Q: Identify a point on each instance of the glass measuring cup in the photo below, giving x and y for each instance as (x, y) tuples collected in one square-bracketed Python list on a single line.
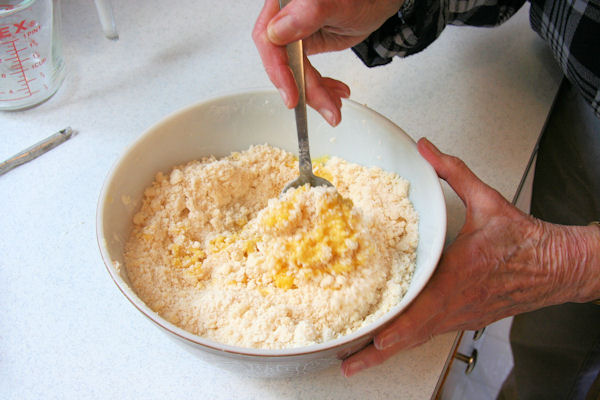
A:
[(31, 63)]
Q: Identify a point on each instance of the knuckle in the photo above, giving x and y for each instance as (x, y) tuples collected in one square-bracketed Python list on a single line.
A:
[(319, 7), (313, 10), (273, 74), (456, 162), (256, 34), (378, 357)]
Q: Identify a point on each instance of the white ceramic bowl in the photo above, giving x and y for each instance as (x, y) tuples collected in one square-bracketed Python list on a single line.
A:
[(233, 123)]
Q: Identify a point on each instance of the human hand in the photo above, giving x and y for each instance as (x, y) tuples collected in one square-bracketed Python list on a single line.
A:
[(323, 25), (502, 263)]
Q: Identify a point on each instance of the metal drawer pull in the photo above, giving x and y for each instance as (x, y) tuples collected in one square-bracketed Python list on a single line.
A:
[(478, 333), (470, 361)]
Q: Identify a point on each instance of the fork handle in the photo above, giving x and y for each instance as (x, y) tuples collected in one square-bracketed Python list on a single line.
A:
[(296, 62)]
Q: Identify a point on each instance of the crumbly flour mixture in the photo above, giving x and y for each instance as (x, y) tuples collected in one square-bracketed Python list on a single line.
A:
[(217, 251)]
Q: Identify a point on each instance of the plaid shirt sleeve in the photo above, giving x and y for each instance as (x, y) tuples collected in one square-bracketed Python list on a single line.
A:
[(571, 28)]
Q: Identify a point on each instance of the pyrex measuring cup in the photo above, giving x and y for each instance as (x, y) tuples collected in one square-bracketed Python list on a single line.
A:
[(31, 63)]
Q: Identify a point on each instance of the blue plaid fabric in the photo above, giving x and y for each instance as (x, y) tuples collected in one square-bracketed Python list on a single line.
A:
[(570, 27)]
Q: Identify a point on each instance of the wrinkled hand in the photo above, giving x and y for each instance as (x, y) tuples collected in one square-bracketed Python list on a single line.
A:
[(323, 25), (502, 263)]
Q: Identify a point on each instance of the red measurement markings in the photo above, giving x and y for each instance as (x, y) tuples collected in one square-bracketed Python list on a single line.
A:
[(18, 67)]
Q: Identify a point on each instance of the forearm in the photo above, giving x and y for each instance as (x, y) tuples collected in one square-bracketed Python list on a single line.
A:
[(571, 255)]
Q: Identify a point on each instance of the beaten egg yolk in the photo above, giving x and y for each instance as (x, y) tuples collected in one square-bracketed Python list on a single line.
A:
[(331, 244)]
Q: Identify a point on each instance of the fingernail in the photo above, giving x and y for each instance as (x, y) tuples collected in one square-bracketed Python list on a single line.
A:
[(285, 97), (431, 147), (345, 93), (328, 115), (342, 92), (281, 28), (388, 340), (354, 367)]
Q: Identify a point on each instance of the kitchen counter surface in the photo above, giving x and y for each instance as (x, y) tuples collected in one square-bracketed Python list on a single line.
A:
[(67, 332)]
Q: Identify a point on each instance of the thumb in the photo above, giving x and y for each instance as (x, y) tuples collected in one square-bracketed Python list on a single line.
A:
[(453, 170), (295, 21)]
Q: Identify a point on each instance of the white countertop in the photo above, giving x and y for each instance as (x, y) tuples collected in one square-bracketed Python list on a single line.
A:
[(66, 330)]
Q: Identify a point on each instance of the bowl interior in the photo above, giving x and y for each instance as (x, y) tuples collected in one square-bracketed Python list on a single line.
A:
[(234, 123)]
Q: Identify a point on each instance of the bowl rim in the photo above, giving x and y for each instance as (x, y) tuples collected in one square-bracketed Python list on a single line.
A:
[(335, 344)]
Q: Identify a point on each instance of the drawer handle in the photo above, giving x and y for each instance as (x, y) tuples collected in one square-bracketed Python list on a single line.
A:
[(469, 360), (478, 333)]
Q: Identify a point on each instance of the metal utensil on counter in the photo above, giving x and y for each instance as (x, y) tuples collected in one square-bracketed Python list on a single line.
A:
[(296, 62), (36, 150)]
